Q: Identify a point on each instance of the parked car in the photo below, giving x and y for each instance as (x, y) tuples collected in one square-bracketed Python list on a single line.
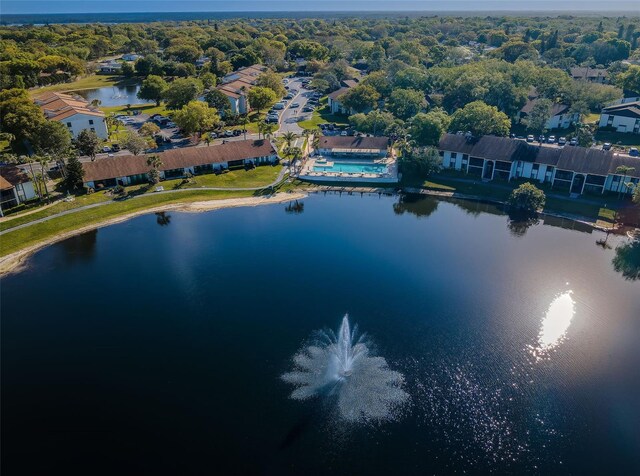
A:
[(542, 138), (307, 109), (278, 106), (606, 146), (106, 148), (344, 133), (213, 135), (289, 96), (633, 152), (551, 140), (562, 141), (271, 119), (115, 147), (171, 124), (573, 141), (530, 138), (294, 105), (228, 133)]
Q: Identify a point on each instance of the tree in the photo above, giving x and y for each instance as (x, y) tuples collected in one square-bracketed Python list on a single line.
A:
[(288, 138), (20, 117), (209, 80), (406, 103), (636, 195), (134, 143), (181, 91), (52, 138), (427, 129), (584, 134), (624, 170), (44, 165), (536, 120), (266, 128), (219, 101), (260, 97), (375, 122), (273, 81), (154, 163), (360, 98), (196, 117), (152, 89), (74, 173), (149, 129), (480, 119), (423, 161), (88, 143), (627, 260), (629, 80), (527, 198)]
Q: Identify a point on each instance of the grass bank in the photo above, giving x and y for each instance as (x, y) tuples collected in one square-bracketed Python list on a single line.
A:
[(595, 207), (322, 115), (38, 232), (91, 81), (258, 177)]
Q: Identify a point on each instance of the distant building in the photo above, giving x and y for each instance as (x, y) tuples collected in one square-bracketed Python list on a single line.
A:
[(592, 75), (575, 169), (333, 99), (131, 57), (110, 67), (133, 169), (559, 115), (623, 117), (237, 84), (350, 146), (15, 187), (74, 112)]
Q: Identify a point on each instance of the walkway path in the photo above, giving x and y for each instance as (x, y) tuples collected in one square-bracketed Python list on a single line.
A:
[(106, 202)]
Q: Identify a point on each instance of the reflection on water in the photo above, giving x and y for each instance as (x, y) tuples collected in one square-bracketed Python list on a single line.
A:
[(555, 323), (627, 260)]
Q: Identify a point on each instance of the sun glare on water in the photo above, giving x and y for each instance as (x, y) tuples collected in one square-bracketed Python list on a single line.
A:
[(555, 323)]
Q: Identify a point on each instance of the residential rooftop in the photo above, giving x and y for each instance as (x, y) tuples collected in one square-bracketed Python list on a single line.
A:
[(127, 165)]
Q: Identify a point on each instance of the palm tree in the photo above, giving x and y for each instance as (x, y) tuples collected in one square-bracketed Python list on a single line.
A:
[(243, 121), (288, 138), (624, 170), (154, 162), (44, 165)]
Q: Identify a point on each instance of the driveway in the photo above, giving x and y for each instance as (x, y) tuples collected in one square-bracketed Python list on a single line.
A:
[(289, 117)]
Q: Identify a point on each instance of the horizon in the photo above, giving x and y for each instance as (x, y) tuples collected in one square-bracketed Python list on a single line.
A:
[(35, 7)]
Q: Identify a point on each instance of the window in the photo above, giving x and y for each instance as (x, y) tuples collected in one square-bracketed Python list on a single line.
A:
[(91, 121), (68, 124), (93, 129), (454, 155)]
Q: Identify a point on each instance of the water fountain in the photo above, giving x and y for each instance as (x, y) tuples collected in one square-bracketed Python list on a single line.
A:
[(342, 367)]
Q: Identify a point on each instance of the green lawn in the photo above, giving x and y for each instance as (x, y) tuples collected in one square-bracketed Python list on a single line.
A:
[(258, 177), (149, 109), (24, 237), (618, 138), (92, 81), (589, 206), (322, 115)]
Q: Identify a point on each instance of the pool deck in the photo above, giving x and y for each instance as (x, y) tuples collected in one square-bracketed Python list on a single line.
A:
[(309, 174)]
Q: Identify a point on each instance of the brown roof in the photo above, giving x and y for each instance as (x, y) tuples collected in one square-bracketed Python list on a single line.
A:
[(126, 165), (555, 110), (340, 92), (587, 73), (59, 106), (10, 176), (349, 142)]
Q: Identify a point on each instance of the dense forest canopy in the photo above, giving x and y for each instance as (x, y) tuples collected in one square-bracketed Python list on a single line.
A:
[(406, 65)]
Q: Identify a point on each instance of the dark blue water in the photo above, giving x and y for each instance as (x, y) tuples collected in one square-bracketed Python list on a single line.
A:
[(155, 346)]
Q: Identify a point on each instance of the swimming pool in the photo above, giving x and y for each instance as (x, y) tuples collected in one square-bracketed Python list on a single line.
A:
[(352, 168)]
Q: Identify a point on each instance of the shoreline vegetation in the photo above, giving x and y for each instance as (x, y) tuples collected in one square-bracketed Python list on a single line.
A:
[(15, 261), (16, 246)]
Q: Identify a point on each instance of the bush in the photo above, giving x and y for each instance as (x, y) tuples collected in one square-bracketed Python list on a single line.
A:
[(527, 198)]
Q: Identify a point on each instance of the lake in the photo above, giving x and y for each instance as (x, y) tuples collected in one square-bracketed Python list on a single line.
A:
[(157, 345), (113, 95)]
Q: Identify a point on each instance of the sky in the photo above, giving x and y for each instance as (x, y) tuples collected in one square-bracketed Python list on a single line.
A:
[(117, 6)]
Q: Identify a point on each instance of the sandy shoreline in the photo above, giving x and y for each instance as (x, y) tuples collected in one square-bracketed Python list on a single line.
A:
[(16, 261)]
